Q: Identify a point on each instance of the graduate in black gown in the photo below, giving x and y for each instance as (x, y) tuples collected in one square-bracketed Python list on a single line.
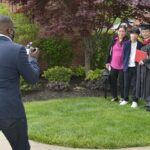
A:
[(143, 70)]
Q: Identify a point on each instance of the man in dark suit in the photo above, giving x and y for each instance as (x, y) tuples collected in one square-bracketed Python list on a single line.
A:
[(130, 67), (14, 62)]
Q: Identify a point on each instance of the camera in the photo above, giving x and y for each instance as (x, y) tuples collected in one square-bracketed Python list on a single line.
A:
[(29, 48)]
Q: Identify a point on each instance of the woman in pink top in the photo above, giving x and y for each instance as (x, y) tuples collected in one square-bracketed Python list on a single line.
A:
[(115, 62)]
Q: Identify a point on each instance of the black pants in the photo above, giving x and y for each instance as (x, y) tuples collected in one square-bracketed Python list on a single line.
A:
[(16, 133), (130, 79), (114, 75)]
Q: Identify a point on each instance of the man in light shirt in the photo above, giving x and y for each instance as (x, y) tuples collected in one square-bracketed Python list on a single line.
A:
[(130, 67)]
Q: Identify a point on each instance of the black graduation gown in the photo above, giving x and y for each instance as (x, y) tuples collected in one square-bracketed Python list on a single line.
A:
[(143, 77)]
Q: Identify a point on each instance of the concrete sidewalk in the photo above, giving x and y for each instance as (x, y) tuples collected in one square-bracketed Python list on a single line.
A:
[(4, 145)]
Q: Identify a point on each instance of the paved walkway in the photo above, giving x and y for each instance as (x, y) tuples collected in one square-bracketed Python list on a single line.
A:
[(37, 146)]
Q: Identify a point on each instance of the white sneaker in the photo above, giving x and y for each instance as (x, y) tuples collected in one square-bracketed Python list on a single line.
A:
[(123, 103), (121, 100), (114, 99), (134, 105)]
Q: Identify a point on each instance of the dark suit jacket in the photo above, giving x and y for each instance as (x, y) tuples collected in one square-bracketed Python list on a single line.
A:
[(126, 53), (13, 63)]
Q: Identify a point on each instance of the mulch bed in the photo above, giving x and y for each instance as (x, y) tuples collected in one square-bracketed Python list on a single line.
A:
[(46, 94), (77, 89)]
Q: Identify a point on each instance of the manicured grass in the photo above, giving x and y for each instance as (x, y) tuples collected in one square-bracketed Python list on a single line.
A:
[(88, 123)]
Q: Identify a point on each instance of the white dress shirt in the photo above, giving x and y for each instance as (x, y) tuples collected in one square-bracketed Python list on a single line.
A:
[(133, 54)]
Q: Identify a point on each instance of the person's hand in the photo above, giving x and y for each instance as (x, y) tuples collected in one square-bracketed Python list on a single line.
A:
[(141, 63), (108, 66), (34, 53)]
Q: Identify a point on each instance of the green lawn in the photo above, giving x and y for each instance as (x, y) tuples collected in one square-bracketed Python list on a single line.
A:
[(88, 123)]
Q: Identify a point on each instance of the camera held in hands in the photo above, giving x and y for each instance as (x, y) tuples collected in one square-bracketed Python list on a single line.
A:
[(30, 48)]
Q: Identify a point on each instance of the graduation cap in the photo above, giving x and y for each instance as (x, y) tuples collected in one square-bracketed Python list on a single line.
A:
[(145, 26)]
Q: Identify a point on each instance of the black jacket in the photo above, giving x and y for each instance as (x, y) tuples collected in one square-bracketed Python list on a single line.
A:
[(146, 48), (126, 53)]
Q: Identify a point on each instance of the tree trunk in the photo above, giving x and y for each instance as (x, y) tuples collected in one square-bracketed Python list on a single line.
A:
[(88, 52)]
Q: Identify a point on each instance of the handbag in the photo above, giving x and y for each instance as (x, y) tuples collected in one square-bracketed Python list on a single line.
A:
[(105, 80)]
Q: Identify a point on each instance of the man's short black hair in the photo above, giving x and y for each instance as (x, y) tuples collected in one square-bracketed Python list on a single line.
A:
[(135, 31), (145, 26)]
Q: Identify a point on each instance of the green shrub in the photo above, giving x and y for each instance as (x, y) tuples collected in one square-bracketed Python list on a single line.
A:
[(4, 10), (24, 86), (93, 81), (94, 75), (101, 43), (56, 51), (78, 71), (58, 74), (26, 31)]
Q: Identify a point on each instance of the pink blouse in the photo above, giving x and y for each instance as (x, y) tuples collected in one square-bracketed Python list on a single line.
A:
[(117, 56)]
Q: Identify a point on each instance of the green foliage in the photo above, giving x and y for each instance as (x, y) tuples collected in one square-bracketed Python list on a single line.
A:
[(101, 43), (94, 74), (78, 71), (26, 31), (4, 10), (24, 86), (56, 51), (59, 74)]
